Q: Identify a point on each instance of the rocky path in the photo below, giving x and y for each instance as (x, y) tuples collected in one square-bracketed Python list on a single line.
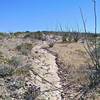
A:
[(40, 80), (45, 74)]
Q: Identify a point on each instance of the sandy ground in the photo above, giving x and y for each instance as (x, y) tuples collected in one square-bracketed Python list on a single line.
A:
[(74, 62), (73, 53)]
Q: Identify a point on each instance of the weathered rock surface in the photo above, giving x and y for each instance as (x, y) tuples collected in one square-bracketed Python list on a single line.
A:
[(47, 78)]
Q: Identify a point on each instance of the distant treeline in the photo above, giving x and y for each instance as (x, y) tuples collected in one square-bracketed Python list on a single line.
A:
[(50, 32)]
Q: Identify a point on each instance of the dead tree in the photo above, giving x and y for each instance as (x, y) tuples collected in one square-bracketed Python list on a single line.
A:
[(95, 73)]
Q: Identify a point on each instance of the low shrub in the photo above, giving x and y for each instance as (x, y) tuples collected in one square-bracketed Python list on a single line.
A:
[(24, 48), (18, 33), (32, 93), (3, 60), (6, 71), (15, 61), (1, 55), (22, 71), (64, 38), (38, 35), (51, 45)]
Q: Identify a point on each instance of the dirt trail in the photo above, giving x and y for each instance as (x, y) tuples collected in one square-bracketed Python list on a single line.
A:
[(45, 65)]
